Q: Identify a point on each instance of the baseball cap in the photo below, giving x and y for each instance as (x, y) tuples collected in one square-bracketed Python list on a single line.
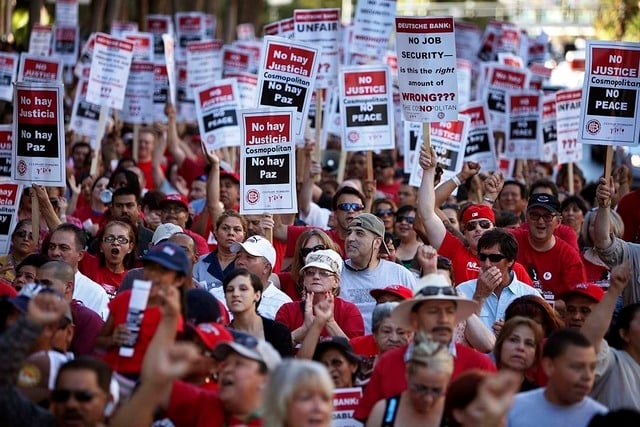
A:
[(398, 290), (327, 259), (257, 246), (547, 201), (589, 290), (371, 223), (476, 212), (164, 231), (170, 256), (201, 306), (340, 343), (210, 333), (175, 198), (250, 347), (231, 175)]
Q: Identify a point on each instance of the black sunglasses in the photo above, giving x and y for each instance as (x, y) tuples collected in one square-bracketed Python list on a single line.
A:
[(491, 257), (408, 219), (429, 291), (62, 395), (483, 223), (384, 212), (307, 251)]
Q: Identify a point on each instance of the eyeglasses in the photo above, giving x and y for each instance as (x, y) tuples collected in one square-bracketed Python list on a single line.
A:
[(306, 251), (311, 272), (408, 219), (24, 234), (491, 257), (62, 395), (426, 391), (429, 291), (535, 216), (346, 207), (112, 239), (483, 223), (384, 212), (173, 209)]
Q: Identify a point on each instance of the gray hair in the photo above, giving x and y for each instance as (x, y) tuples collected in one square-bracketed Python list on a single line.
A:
[(289, 377), (381, 312)]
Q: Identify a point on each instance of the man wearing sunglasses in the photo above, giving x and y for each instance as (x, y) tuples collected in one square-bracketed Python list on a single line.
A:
[(435, 309), (496, 286)]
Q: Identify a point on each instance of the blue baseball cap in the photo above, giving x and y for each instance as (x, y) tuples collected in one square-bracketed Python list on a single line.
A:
[(170, 256)]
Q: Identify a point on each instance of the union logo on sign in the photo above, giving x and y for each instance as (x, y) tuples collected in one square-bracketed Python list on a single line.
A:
[(253, 196), (593, 127), (22, 167)]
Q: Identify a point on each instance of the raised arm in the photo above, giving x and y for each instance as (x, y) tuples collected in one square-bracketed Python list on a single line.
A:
[(214, 207), (602, 223), (434, 228), (156, 161), (305, 194), (444, 190), (173, 140)]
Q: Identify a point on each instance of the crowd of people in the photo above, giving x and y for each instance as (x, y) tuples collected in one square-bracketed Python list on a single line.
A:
[(513, 302)]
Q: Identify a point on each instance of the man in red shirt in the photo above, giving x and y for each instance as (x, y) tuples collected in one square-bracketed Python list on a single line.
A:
[(435, 309), (175, 210)]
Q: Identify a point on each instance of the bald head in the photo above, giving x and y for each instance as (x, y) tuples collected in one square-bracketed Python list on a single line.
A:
[(57, 275)]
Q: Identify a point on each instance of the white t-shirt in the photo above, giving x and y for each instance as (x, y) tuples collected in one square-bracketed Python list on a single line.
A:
[(272, 299), (91, 295)]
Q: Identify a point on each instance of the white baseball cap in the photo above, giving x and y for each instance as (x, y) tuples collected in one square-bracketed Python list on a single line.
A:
[(257, 246)]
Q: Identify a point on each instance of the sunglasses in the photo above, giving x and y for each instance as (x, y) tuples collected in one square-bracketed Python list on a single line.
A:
[(429, 291), (62, 395), (24, 234), (491, 257), (384, 212), (307, 251), (346, 207), (408, 219), (483, 223)]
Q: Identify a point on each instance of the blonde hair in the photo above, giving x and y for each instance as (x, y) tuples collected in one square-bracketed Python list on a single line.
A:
[(289, 377), (616, 227), (430, 354)]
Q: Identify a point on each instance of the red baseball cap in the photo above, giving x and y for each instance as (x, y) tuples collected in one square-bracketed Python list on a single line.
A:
[(211, 334), (175, 198), (589, 290), (231, 175), (398, 290), (477, 212)]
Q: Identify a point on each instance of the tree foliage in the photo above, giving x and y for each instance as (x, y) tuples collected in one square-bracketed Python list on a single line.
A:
[(617, 20)]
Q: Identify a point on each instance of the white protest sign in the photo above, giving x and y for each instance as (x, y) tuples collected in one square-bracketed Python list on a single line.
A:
[(170, 63), (549, 132), (118, 28), (480, 144), (10, 194), (190, 26), (286, 78), (283, 28), (235, 60), (524, 112), (464, 73), (83, 67), (245, 31), (204, 62), (247, 89), (143, 45), (42, 69), (67, 12), (186, 105), (468, 37), (40, 40), (267, 162), (321, 27), (159, 25), (66, 44), (138, 98), (345, 402), (609, 114), (38, 150), (427, 68), (569, 121), (372, 27), (334, 121), (6, 136), (412, 132), (217, 111), (84, 115), (109, 71), (254, 48), (8, 72), (160, 92), (367, 108)]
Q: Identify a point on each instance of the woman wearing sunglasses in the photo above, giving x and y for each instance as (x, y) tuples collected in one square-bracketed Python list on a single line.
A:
[(408, 239), (321, 310), (22, 245), (428, 372), (385, 209)]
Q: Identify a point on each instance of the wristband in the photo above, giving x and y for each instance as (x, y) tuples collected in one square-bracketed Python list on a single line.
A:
[(456, 180), (488, 199)]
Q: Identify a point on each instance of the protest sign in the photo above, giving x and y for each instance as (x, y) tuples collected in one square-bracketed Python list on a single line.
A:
[(427, 68), (204, 62), (524, 111), (65, 44), (109, 71), (235, 60), (283, 28), (210, 22), (345, 402), (480, 144), (83, 67), (286, 78), (549, 131), (217, 112), (143, 45), (267, 162), (372, 26), (160, 92), (40, 40), (186, 106), (34, 69), (190, 26), (138, 98), (6, 136), (464, 73), (84, 115), (334, 121), (247, 84), (159, 25), (8, 71), (67, 13), (321, 28), (118, 28), (609, 114), (412, 132), (38, 150), (468, 37), (367, 108), (569, 121), (254, 48), (170, 65), (245, 31), (10, 194)]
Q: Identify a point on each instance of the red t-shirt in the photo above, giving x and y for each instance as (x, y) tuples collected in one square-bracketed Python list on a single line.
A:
[(86, 213), (364, 345), (557, 269), (628, 210), (147, 168), (119, 306), (288, 286), (191, 169), (594, 272), (294, 231), (389, 375), (563, 232), (465, 263), (6, 290), (190, 406), (390, 191), (90, 266), (347, 316)]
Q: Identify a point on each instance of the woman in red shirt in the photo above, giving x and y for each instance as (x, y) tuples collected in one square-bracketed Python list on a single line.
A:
[(95, 208)]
